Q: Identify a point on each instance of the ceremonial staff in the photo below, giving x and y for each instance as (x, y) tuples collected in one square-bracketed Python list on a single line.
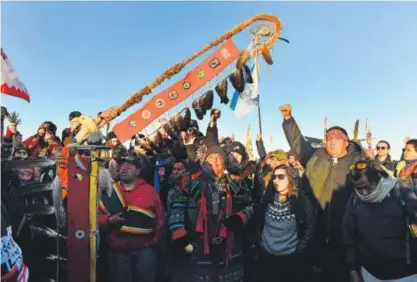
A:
[(267, 33)]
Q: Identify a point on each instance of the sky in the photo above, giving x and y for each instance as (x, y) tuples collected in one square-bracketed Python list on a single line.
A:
[(346, 61)]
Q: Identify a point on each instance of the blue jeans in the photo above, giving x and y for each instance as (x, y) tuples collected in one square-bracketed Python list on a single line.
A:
[(135, 266)]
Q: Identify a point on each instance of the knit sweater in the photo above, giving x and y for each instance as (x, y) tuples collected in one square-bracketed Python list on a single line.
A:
[(279, 236)]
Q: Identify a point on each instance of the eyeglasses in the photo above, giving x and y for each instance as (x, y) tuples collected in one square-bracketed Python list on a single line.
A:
[(279, 176), (381, 148)]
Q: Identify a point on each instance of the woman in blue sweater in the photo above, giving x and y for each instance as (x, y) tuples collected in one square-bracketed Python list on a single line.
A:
[(285, 222)]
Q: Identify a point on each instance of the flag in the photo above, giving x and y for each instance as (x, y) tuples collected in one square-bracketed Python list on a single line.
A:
[(249, 149), (10, 82), (242, 103)]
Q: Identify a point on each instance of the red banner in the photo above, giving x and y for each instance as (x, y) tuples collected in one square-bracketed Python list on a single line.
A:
[(178, 92), (10, 82)]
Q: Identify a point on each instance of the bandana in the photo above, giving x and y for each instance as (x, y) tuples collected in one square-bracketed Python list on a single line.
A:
[(337, 134)]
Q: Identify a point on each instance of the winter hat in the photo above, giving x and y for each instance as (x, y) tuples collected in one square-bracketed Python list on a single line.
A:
[(74, 115), (214, 149), (279, 154), (136, 161), (193, 123), (110, 135), (238, 147)]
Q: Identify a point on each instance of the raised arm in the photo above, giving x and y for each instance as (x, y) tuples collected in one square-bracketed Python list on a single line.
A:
[(212, 133), (260, 147), (302, 149)]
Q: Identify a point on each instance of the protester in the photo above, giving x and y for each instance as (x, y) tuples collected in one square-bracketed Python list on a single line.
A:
[(407, 168), (286, 222), (376, 234), (210, 189), (210, 234), (325, 180), (383, 151), (134, 225)]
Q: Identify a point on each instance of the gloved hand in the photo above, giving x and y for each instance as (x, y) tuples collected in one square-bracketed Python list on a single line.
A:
[(233, 222), (182, 242)]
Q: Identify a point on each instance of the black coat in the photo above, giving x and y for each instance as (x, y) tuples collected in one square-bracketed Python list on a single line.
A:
[(303, 210), (374, 235)]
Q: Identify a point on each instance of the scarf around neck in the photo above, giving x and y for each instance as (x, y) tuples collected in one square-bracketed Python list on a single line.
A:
[(381, 191)]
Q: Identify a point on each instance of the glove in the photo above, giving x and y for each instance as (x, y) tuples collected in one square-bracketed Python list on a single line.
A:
[(182, 242), (233, 222)]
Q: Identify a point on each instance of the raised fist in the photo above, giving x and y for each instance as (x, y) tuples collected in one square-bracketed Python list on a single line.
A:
[(286, 111), (215, 114), (259, 137), (107, 115)]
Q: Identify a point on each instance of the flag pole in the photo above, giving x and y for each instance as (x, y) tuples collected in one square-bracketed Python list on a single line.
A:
[(259, 97)]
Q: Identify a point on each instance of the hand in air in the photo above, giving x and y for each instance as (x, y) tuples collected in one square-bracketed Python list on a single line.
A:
[(286, 111), (107, 115)]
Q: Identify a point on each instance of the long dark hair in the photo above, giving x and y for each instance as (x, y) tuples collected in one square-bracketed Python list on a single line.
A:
[(292, 184)]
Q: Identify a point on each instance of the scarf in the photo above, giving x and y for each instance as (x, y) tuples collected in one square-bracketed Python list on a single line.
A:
[(381, 191)]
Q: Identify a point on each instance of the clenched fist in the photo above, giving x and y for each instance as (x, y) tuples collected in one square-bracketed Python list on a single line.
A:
[(105, 116), (286, 111)]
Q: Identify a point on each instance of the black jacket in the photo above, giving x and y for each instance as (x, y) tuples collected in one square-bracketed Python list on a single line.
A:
[(387, 163), (374, 235), (304, 215)]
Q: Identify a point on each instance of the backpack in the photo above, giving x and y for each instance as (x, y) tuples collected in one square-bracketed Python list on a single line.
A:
[(409, 218)]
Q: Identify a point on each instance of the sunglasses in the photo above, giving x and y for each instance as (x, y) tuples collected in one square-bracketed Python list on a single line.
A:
[(381, 148), (279, 176)]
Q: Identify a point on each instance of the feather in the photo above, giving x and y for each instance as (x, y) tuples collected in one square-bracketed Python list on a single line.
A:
[(41, 228), (60, 214), (356, 131), (105, 181), (283, 39), (243, 58), (267, 56)]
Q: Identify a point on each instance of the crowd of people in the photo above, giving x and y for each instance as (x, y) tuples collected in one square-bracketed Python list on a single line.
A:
[(186, 206)]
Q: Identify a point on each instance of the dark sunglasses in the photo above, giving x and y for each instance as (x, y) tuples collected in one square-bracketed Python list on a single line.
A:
[(381, 148), (279, 176)]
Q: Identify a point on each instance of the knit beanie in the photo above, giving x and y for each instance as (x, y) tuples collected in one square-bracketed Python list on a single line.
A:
[(214, 149), (279, 154), (238, 147)]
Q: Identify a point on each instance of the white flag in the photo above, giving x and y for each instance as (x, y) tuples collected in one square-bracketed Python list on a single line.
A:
[(10, 82)]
